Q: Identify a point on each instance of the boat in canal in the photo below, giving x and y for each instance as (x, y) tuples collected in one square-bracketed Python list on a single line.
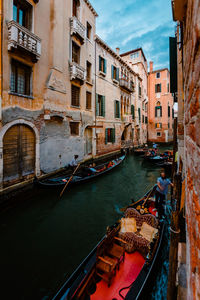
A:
[(140, 151), (84, 175), (156, 158), (121, 263)]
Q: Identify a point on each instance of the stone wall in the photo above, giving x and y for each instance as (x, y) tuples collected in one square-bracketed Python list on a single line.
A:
[(191, 74)]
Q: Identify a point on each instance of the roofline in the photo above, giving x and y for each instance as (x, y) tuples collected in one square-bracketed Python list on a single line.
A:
[(133, 51), (106, 47), (91, 8), (159, 70)]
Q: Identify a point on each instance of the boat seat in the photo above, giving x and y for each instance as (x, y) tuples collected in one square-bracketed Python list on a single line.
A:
[(109, 256)]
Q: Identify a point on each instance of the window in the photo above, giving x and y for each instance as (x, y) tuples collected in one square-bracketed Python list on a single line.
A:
[(117, 109), (145, 107), (22, 13), (158, 133), (100, 105), (142, 118), (20, 81), (172, 113), (135, 55), (133, 111), (168, 125), (139, 114), (142, 105), (168, 111), (89, 31), (88, 100), (74, 128), (110, 135), (146, 120), (102, 65), (158, 75), (158, 88), (75, 53), (158, 125), (88, 75), (76, 4), (168, 87), (139, 89), (158, 110), (115, 72), (75, 94)]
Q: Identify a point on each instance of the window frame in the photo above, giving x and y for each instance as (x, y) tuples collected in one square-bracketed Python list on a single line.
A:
[(78, 128), (158, 90), (76, 46), (78, 89), (90, 106), (88, 64), (88, 31), (157, 74), (27, 10)]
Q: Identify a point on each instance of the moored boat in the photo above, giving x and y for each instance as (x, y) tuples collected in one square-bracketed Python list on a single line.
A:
[(119, 266), (83, 175), (140, 151)]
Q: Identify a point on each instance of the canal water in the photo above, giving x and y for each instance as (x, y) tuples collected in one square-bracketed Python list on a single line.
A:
[(44, 238)]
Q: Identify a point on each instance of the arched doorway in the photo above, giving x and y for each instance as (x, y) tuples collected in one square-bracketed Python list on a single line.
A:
[(19, 149), (88, 141)]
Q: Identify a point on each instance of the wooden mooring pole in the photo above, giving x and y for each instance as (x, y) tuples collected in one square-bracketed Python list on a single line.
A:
[(174, 227)]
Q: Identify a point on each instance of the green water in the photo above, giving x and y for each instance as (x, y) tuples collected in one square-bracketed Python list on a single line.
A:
[(45, 238)]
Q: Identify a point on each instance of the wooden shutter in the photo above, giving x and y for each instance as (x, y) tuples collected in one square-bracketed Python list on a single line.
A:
[(115, 108), (156, 111), (112, 71), (168, 111), (97, 106), (106, 136), (99, 63), (117, 74), (161, 111), (113, 135), (133, 111), (104, 65), (75, 94), (103, 107), (118, 109), (139, 114)]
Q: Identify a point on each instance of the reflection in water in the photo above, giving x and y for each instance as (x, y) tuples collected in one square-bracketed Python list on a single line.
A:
[(45, 238)]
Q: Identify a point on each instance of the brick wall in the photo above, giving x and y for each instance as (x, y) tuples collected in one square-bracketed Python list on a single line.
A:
[(191, 75)]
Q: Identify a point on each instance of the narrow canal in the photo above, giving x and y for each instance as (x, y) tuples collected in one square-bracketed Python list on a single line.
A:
[(45, 238)]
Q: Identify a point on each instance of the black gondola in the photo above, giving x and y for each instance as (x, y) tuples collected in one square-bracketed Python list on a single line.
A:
[(85, 282), (81, 177)]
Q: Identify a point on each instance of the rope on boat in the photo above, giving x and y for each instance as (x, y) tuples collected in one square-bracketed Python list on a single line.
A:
[(176, 232)]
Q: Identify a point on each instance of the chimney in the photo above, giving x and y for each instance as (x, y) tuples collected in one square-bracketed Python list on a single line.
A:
[(117, 50), (151, 66)]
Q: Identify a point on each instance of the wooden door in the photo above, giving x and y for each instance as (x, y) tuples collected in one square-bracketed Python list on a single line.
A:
[(18, 154)]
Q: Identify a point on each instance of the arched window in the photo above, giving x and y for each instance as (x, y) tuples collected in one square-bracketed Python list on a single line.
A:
[(158, 110)]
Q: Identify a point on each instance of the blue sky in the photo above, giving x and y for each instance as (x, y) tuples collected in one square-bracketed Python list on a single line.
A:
[(130, 24)]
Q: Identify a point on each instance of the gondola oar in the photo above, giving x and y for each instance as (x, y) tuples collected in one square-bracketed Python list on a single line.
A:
[(133, 204), (70, 179)]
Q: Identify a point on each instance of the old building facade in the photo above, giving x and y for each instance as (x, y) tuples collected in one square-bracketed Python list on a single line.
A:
[(187, 15), (160, 106)]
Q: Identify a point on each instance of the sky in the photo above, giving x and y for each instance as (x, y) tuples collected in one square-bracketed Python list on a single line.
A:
[(130, 24)]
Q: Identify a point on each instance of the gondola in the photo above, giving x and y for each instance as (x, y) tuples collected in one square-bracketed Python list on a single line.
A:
[(132, 271), (156, 158), (81, 177), (140, 151)]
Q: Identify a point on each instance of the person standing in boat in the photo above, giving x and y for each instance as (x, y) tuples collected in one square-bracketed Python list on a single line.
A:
[(73, 164), (161, 192)]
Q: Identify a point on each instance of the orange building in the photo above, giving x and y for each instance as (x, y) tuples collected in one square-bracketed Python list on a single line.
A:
[(160, 106)]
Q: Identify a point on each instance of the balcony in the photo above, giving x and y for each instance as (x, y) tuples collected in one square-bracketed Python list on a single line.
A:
[(78, 29), (127, 118), (77, 72), (22, 38), (126, 84)]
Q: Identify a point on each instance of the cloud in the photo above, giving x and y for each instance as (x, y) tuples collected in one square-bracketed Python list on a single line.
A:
[(129, 24)]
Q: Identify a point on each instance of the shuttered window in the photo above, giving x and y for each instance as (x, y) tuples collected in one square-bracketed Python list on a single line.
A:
[(110, 135), (75, 53), (88, 75), (115, 73), (168, 111), (75, 96), (158, 111), (158, 125), (102, 64), (100, 105), (74, 128), (88, 100), (139, 114), (158, 88), (133, 111), (142, 118), (117, 109), (146, 120), (20, 81)]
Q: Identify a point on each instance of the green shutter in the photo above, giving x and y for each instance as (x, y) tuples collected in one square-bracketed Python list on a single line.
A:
[(112, 71), (104, 65), (118, 74), (172, 113), (160, 88), (133, 111), (161, 111), (113, 135), (139, 114), (115, 108), (99, 63), (155, 88), (168, 111), (103, 107), (118, 106), (106, 136), (97, 106), (156, 111)]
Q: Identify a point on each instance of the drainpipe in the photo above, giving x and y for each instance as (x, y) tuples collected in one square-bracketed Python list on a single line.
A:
[(1, 59)]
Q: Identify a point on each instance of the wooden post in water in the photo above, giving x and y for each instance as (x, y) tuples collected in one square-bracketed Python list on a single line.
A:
[(174, 228)]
